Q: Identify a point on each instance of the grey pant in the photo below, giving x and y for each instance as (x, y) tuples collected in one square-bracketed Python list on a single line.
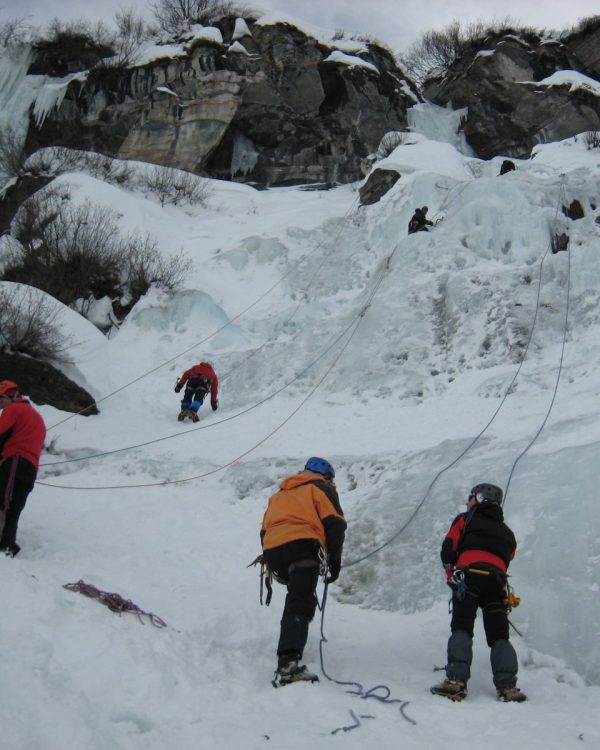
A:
[(502, 657)]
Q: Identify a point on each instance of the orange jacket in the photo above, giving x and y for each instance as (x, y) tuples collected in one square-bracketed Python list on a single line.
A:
[(307, 506)]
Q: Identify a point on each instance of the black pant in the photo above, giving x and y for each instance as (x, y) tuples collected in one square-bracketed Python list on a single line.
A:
[(195, 390), (17, 477), (297, 565), (484, 590)]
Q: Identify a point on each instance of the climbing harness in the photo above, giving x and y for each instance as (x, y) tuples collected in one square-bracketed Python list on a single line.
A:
[(114, 602), (267, 575), (507, 604)]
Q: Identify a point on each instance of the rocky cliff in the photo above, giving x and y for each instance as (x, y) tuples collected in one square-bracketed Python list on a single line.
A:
[(44, 384), (266, 104), (521, 90)]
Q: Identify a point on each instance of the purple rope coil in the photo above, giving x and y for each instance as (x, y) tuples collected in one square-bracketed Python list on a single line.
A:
[(114, 602)]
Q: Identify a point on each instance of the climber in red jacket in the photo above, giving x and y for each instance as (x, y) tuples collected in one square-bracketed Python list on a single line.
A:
[(198, 381), (22, 433)]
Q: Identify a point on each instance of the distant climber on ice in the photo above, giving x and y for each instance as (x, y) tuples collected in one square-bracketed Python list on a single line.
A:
[(507, 166), (419, 221), (199, 380), (303, 527), (476, 553)]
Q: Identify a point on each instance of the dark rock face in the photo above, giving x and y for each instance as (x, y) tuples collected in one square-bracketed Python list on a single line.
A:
[(68, 53), (509, 111), (16, 194), (376, 185), (44, 384), (586, 45), (273, 107), (574, 210), (560, 242)]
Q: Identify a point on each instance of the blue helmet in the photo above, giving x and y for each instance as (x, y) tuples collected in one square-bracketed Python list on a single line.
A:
[(320, 466)]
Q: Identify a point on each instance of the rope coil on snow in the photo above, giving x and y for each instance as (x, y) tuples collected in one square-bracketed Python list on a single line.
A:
[(114, 602), (359, 690)]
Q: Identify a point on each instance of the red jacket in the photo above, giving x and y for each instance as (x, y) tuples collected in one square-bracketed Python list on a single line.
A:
[(202, 369), (22, 432)]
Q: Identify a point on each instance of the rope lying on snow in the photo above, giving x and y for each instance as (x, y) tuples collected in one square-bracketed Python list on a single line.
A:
[(114, 602), (382, 693)]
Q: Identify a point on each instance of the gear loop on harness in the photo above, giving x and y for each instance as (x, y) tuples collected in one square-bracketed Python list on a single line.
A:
[(323, 562), (459, 585), (266, 577)]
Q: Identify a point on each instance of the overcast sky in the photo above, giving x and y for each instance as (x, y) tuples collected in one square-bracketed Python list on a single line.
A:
[(395, 22)]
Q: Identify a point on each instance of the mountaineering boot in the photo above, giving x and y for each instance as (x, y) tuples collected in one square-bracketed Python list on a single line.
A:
[(511, 695), (181, 416), (456, 690), (291, 672), (10, 550), (194, 417)]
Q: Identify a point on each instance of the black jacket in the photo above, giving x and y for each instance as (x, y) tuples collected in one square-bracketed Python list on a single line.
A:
[(479, 536), (419, 222)]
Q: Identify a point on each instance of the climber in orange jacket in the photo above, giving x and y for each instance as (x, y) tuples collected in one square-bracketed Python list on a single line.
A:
[(302, 520)]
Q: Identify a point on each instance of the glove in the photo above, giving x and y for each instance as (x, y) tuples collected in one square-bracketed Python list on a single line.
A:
[(449, 570), (214, 405), (334, 568), (178, 387)]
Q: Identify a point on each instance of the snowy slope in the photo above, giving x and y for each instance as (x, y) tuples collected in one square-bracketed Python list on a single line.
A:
[(417, 365)]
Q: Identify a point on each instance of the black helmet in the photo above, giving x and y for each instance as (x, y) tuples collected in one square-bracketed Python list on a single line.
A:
[(488, 493)]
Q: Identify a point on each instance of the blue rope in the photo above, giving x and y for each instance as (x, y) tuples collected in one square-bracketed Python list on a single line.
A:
[(358, 688)]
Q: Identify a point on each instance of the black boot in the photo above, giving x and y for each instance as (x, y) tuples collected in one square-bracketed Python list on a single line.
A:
[(288, 670), (10, 550)]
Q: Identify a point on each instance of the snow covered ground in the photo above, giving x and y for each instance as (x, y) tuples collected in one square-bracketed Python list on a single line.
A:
[(418, 365)]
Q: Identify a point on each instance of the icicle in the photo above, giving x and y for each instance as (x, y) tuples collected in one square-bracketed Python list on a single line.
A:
[(244, 157)]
